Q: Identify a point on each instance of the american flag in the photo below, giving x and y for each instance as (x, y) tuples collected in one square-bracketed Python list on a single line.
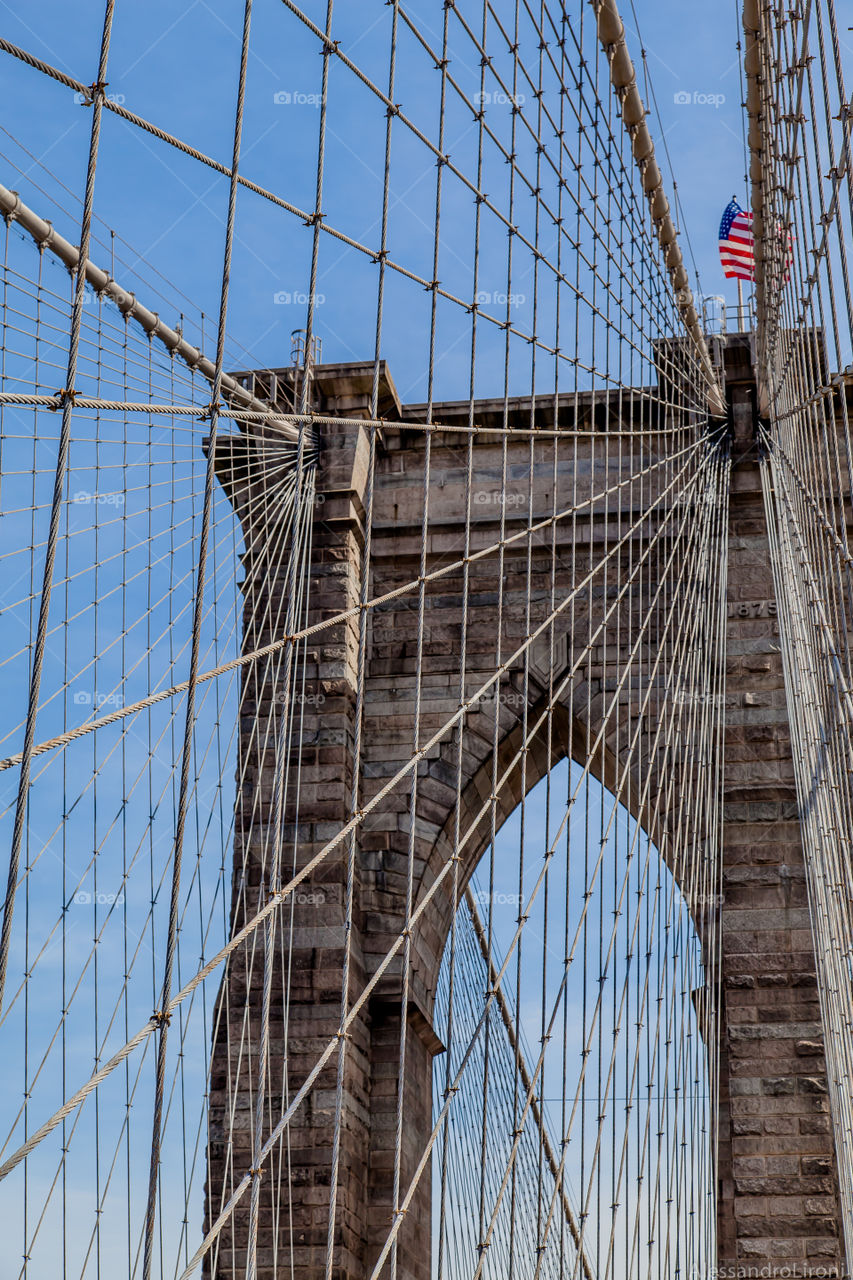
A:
[(736, 250)]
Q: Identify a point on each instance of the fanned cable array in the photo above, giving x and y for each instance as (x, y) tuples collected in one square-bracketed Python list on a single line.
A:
[(800, 121), (365, 749)]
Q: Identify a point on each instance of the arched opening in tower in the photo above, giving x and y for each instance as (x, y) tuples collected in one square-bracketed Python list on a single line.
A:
[(575, 1101)]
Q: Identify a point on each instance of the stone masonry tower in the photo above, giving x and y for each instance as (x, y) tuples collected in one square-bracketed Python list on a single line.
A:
[(777, 1201)]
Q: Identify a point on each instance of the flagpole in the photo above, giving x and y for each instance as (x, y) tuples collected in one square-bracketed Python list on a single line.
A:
[(740, 324)]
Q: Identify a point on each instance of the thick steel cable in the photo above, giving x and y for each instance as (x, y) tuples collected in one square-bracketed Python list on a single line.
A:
[(612, 35)]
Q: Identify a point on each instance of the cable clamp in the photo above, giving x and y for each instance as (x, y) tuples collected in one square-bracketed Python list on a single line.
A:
[(91, 91), (160, 1018), (256, 1173)]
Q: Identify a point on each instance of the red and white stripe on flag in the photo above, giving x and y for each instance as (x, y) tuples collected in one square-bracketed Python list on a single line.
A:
[(737, 253)]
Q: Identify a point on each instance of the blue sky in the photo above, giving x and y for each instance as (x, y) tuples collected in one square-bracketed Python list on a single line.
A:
[(176, 66)]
